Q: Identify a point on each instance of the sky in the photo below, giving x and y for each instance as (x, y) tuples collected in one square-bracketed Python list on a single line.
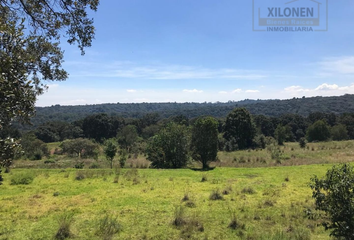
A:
[(205, 51)]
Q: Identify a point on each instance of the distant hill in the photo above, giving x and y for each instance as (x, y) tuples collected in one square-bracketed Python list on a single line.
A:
[(301, 106)]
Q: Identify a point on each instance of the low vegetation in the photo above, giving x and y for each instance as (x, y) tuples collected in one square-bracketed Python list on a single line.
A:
[(260, 204)]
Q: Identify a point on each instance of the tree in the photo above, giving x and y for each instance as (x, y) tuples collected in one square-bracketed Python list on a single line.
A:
[(27, 58), (204, 144), (319, 131), (169, 148), (33, 148), (98, 127), (239, 128), (280, 134), (80, 147), (110, 150), (127, 137), (334, 194), (339, 132)]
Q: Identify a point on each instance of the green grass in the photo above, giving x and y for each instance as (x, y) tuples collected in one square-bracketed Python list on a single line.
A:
[(261, 197), (143, 203)]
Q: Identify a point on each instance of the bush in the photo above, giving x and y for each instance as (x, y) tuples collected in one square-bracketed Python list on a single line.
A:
[(334, 195), (79, 165), (22, 179), (79, 175), (302, 142)]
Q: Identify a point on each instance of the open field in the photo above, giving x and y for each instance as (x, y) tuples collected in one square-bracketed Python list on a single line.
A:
[(266, 203), (290, 155)]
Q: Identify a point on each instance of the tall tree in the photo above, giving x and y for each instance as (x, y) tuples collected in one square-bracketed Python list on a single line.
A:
[(98, 127), (169, 148), (319, 131), (204, 143), (27, 58), (110, 150), (127, 137), (239, 128)]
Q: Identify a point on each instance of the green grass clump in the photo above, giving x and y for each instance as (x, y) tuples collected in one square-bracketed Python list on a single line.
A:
[(107, 226), (65, 221), (23, 178)]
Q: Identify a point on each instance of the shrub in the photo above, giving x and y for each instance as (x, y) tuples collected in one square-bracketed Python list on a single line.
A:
[(334, 195), (107, 226), (48, 161), (65, 221), (79, 175), (22, 179), (94, 166), (79, 165), (302, 142)]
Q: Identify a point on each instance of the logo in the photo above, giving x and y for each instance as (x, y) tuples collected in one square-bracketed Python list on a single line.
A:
[(290, 15)]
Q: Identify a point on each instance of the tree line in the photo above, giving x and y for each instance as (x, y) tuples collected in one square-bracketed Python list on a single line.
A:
[(270, 108), (173, 142)]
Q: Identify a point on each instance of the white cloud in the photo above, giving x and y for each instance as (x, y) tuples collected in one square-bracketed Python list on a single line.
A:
[(252, 91), (296, 89), (160, 71), (341, 65), (238, 90), (222, 92), (322, 90), (192, 91), (131, 91)]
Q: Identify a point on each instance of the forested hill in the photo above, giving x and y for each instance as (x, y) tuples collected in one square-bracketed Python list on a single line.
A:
[(301, 106)]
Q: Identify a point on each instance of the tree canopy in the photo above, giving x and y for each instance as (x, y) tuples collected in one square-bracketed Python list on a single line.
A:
[(30, 33), (204, 143)]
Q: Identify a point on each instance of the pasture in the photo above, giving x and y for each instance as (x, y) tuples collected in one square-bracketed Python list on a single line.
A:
[(225, 203)]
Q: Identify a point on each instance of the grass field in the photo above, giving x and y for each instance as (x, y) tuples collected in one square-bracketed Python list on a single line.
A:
[(249, 195), (259, 203)]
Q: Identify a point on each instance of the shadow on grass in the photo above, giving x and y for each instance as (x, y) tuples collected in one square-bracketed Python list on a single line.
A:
[(202, 169)]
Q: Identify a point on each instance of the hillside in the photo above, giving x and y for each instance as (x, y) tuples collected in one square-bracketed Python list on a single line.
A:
[(301, 106)]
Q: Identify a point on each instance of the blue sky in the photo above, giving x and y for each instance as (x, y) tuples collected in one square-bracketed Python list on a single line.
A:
[(196, 51)]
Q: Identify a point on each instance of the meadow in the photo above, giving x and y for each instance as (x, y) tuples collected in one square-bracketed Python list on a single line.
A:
[(249, 199)]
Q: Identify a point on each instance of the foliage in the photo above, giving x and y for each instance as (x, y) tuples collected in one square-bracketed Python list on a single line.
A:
[(302, 142), (32, 55), (334, 195), (22, 178), (239, 128), (204, 144), (33, 148), (127, 137), (319, 131), (122, 157), (80, 147), (58, 131), (301, 107), (280, 134), (8, 150), (169, 148), (339, 132), (110, 150), (98, 127)]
